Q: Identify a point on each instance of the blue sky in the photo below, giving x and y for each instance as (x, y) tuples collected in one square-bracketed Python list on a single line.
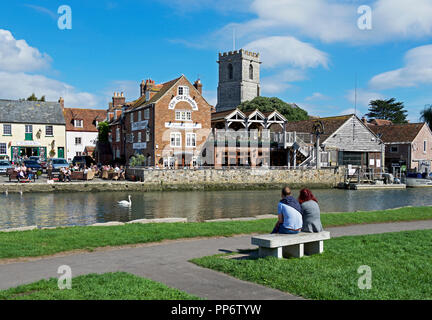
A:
[(312, 51)]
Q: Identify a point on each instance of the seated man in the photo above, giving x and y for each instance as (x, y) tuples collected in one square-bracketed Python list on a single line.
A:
[(289, 214)]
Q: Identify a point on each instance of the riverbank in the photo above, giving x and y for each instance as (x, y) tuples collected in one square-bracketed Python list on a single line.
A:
[(51, 241), (103, 186), (189, 180)]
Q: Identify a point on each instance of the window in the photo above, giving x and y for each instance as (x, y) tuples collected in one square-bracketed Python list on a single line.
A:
[(118, 135), (176, 139), (139, 116), (424, 146), (7, 130), (131, 117), (183, 115), (78, 154), (77, 140), (190, 140), (394, 149), (147, 135), (139, 137), (183, 91), (3, 149), (251, 71), (49, 131), (28, 132), (230, 71), (146, 114), (78, 123)]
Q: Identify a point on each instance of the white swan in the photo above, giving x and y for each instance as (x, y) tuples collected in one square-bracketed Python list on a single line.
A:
[(6, 192), (21, 193), (125, 203)]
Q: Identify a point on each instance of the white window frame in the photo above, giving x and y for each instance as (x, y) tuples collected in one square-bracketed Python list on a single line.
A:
[(46, 131), (4, 129), (132, 117), (117, 134), (3, 148), (78, 123), (183, 115), (183, 91), (139, 116), (147, 135), (139, 136), (175, 139), (78, 142), (28, 128), (191, 140)]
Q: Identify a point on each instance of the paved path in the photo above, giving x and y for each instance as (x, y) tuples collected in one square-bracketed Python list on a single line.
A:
[(168, 263)]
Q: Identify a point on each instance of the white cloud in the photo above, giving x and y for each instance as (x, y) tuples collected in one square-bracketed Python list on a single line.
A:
[(281, 81), (21, 85), (278, 50), (18, 59), (17, 55), (417, 70), (316, 96), (335, 21)]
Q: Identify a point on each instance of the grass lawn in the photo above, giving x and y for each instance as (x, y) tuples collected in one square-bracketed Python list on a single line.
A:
[(108, 286), (50, 241), (401, 265)]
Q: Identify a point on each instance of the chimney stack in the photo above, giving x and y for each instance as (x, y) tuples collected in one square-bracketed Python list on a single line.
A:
[(198, 85), (118, 99), (142, 89), (61, 101)]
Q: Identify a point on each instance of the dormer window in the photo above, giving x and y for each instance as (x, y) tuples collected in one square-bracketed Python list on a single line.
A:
[(78, 123), (183, 91)]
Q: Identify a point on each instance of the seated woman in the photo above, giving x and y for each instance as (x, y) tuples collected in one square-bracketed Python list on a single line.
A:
[(289, 214), (311, 211)]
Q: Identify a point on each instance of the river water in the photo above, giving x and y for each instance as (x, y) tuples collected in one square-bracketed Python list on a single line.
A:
[(69, 209)]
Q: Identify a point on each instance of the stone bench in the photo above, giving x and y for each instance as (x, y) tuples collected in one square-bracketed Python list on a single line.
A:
[(290, 245)]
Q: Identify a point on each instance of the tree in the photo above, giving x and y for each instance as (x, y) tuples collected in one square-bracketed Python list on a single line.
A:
[(387, 110), (34, 98), (265, 104), (103, 129), (426, 115)]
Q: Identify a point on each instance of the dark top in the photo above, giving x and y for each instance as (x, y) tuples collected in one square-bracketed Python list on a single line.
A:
[(292, 202)]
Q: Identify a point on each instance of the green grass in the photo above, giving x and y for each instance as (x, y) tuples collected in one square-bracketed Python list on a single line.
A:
[(108, 286), (50, 241), (401, 265)]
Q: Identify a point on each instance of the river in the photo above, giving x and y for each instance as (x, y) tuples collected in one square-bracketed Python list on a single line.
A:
[(69, 209)]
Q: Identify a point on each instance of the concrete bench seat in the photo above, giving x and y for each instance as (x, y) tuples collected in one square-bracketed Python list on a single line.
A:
[(290, 245)]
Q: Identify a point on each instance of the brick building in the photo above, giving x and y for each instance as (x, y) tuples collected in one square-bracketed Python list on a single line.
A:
[(408, 144), (169, 124)]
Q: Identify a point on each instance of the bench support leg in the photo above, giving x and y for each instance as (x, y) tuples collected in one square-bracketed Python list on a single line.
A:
[(270, 252), (314, 247), (295, 251)]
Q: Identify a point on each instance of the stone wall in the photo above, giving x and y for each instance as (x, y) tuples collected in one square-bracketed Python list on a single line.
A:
[(238, 178)]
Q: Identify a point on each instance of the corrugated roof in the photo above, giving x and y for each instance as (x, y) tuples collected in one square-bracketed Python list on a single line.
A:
[(405, 132), (17, 111)]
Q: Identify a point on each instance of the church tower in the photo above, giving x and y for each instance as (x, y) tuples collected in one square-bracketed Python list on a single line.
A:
[(239, 78)]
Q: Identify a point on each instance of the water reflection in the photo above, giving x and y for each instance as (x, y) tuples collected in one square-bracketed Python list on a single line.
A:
[(67, 209)]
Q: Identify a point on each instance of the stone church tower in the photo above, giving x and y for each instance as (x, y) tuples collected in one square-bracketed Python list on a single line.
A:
[(239, 78)]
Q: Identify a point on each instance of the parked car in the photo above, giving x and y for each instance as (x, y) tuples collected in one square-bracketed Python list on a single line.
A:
[(4, 166), (57, 164), (42, 162), (83, 161), (33, 165)]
